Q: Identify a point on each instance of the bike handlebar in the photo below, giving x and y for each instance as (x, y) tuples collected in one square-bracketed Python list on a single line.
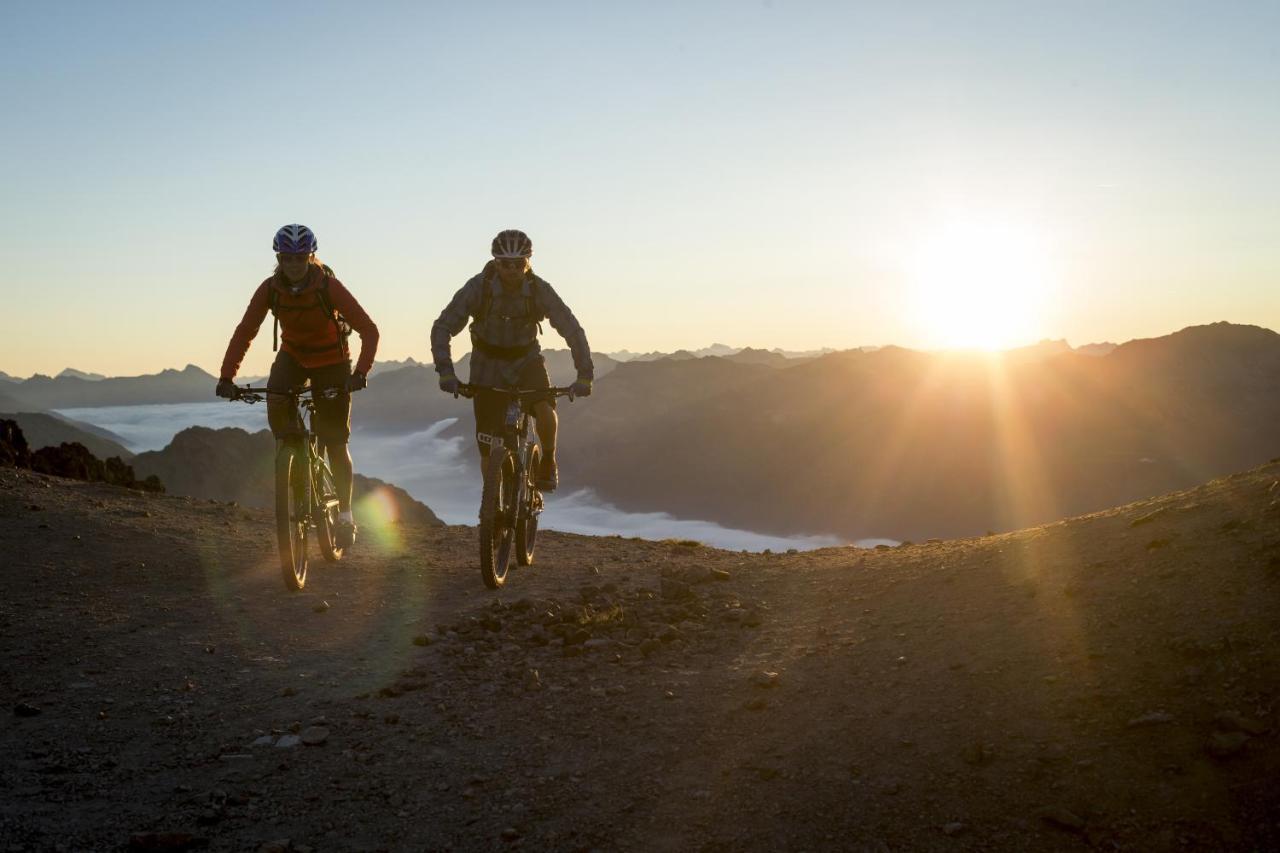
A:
[(257, 395), (469, 391)]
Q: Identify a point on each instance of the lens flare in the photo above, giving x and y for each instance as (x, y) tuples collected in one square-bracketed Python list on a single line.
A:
[(378, 514)]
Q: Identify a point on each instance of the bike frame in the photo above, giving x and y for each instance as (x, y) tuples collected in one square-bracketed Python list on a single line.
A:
[(304, 415), (306, 496), (516, 434), (509, 510)]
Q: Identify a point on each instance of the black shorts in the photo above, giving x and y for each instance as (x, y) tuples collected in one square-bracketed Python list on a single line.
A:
[(491, 406), (333, 417)]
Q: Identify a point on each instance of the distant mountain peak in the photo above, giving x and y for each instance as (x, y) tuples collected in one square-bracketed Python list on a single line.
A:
[(1098, 349), (72, 373)]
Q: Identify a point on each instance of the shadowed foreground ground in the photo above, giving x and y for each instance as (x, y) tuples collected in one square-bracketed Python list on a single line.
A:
[(1110, 681)]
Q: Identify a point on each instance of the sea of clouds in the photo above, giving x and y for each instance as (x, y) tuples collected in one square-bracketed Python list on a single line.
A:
[(434, 466)]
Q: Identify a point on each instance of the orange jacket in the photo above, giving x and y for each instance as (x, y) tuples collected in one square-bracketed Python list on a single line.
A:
[(306, 332)]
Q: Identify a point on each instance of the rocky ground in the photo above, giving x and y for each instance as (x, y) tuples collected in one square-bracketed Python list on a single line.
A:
[(1106, 682)]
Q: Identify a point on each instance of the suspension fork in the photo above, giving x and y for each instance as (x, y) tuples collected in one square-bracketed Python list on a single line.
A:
[(307, 444)]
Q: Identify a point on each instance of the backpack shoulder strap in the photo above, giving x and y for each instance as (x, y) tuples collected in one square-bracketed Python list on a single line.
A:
[(273, 300), (322, 292), (339, 322), (531, 301), (486, 299)]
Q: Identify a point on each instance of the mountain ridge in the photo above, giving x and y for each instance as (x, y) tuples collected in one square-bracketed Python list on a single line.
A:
[(914, 445), (44, 430)]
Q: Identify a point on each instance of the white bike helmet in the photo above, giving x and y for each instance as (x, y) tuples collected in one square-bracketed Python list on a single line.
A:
[(512, 244)]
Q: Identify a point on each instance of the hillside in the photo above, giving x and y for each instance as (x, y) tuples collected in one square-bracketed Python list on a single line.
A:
[(910, 445), (44, 430), (1105, 682), (408, 398), (231, 464)]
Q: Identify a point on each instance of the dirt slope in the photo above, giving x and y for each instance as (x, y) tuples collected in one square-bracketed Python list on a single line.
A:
[(1109, 681)]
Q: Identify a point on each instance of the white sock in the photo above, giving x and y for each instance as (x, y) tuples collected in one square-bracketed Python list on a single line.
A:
[(346, 516)]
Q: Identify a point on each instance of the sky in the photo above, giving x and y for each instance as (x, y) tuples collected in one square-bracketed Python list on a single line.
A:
[(778, 174)]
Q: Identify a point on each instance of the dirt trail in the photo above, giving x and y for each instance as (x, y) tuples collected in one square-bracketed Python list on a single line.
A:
[(1108, 682)]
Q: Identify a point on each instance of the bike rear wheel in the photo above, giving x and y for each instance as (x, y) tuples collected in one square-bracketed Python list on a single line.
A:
[(496, 505), (293, 507), (327, 511), (527, 520)]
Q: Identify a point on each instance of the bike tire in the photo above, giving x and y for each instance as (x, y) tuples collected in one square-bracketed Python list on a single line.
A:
[(496, 533), (326, 508), (527, 520), (292, 509)]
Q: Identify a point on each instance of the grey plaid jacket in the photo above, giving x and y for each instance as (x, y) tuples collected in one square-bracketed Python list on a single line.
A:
[(509, 323)]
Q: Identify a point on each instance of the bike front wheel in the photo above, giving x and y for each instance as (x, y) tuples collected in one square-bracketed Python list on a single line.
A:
[(527, 520), (327, 512), (496, 505), (293, 507)]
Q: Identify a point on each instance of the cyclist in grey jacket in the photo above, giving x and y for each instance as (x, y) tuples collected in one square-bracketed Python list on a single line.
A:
[(506, 303)]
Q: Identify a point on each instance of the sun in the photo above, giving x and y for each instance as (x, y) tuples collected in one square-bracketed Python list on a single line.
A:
[(981, 285)]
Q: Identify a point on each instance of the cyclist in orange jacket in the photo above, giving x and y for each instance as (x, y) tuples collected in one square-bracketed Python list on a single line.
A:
[(314, 311)]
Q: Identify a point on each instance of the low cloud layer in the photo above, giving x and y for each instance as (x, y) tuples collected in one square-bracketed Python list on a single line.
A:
[(436, 469)]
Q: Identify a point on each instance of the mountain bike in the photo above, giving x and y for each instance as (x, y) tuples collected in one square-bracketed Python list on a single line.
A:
[(306, 497), (510, 502)]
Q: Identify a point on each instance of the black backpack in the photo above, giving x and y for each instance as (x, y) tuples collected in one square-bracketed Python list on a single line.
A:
[(322, 302)]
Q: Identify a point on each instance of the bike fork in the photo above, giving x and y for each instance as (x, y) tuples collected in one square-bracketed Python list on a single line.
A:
[(309, 496)]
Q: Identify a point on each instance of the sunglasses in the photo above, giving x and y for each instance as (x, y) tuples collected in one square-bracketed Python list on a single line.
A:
[(512, 262), (293, 257)]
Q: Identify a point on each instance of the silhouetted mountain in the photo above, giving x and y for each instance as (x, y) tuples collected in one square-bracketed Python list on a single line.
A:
[(718, 350), (68, 459), (72, 373), (233, 465), (1043, 349), (91, 429), (190, 385), (4, 377), (904, 444), (1104, 348), (639, 394), (404, 400), (409, 398), (559, 365), (627, 355), (44, 429), (759, 356), (814, 353), (388, 366)]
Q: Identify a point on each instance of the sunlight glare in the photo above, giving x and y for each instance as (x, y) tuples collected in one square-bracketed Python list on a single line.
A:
[(981, 285)]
